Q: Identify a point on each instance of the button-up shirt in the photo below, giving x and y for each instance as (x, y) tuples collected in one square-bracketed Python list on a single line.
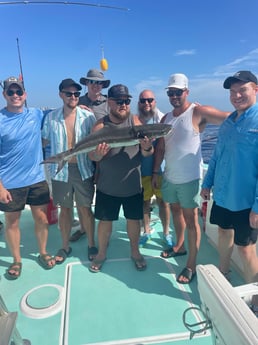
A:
[(233, 168)]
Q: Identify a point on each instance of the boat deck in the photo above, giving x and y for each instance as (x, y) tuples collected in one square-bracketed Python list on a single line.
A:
[(120, 305)]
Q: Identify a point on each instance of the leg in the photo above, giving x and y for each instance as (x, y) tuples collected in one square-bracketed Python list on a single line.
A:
[(146, 215), (65, 224), (39, 214), (87, 223), (250, 262), (164, 215), (133, 231), (180, 225), (225, 248), (104, 233), (194, 235), (12, 235)]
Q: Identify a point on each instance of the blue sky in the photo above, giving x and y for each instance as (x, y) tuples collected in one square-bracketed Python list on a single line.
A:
[(206, 40)]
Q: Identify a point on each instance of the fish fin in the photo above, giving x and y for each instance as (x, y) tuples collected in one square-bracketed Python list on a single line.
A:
[(60, 166)]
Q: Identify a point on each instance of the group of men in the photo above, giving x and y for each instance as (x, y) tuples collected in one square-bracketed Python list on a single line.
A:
[(235, 193)]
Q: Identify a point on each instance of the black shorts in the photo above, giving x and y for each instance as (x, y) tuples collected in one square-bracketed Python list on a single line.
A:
[(237, 220), (34, 195), (107, 207)]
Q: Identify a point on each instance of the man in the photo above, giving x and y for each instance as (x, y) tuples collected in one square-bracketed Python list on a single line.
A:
[(119, 179), (148, 114), (96, 102), (93, 99), (233, 174), (22, 176), (62, 129), (182, 152)]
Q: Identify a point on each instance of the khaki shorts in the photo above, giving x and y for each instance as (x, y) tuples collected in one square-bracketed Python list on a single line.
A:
[(76, 189)]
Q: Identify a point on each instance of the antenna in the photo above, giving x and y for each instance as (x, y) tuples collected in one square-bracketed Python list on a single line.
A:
[(61, 3)]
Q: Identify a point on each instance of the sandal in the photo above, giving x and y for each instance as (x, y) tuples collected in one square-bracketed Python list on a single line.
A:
[(96, 265), (92, 253), (140, 263), (76, 236), (187, 274), (170, 253), (16, 267), (44, 261), (63, 254)]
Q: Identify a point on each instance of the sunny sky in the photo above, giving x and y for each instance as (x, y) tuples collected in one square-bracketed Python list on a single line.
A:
[(206, 40)]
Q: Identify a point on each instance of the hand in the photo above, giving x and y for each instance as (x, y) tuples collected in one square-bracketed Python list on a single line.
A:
[(5, 196), (205, 193), (146, 143), (253, 219), (82, 106), (100, 151), (155, 181)]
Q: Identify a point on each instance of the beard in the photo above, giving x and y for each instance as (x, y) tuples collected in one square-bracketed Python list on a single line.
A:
[(146, 113), (118, 116)]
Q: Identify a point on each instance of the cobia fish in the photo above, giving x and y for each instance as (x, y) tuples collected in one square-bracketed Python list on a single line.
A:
[(114, 137)]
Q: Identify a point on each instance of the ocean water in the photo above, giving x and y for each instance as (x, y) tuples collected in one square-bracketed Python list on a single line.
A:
[(209, 139)]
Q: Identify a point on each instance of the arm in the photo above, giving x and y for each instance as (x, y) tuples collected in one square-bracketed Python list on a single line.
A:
[(207, 114)]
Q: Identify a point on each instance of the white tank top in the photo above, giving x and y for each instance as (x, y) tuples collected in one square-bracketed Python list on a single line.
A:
[(182, 149)]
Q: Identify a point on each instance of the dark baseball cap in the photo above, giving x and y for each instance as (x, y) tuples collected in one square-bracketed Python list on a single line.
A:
[(68, 83), (245, 76), (13, 80), (119, 90)]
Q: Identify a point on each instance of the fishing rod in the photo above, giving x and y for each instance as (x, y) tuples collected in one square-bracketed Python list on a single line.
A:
[(62, 3), (21, 72)]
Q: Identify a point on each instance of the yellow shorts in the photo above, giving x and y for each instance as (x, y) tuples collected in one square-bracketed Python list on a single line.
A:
[(148, 191)]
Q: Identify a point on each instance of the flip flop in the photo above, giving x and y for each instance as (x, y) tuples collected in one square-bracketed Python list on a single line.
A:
[(96, 265), (186, 273), (140, 263), (170, 253), (92, 252), (16, 267), (62, 253), (44, 260)]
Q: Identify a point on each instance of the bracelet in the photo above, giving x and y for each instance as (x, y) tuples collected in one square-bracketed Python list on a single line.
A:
[(149, 149)]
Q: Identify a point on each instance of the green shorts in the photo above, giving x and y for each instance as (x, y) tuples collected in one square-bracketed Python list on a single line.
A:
[(185, 194)]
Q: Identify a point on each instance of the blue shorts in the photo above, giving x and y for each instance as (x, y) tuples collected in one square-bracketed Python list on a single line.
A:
[(237, 220), (185, 194), (107, 207)]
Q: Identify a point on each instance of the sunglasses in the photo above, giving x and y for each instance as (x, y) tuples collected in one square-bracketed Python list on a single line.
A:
[(144, 100), (122, 101), (70, 94), (98, 82), (177, 93), (14, 92)]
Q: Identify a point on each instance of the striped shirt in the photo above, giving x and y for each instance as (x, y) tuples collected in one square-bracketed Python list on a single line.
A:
[(54, 130)]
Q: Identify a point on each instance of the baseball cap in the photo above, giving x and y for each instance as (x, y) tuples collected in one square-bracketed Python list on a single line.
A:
[(13, 80), (178, 81), (95, 75), (119, 90), (68, 83), (245, 76)]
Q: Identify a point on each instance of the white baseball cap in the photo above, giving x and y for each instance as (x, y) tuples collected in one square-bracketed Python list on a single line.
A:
[(178, 81)]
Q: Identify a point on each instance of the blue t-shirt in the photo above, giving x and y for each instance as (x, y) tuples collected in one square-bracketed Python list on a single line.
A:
[(21, 148)]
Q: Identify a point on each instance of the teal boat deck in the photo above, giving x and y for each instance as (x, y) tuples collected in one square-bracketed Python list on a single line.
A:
[(69, 305)]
